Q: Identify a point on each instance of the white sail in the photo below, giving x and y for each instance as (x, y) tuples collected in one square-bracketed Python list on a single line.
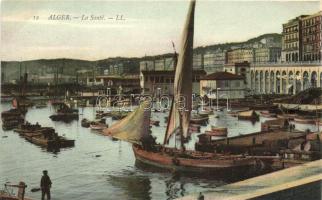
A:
[(181, 108)]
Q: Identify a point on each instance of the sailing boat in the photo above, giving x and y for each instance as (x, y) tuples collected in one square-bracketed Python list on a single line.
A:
[(135, 127)]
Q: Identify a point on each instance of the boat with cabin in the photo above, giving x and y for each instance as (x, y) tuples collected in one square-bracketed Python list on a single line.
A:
[(65, 114)]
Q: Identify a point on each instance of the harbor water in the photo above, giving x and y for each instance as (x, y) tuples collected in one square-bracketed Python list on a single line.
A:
[(98, 167)]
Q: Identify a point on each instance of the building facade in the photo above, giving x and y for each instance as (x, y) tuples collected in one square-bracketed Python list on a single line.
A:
[(198, 61), (128, 84), (214, 61), (240, 56), (160, 64), (311, 36), (223, 85), (162, 82), (282, 78), (291, 40), (267, 54)]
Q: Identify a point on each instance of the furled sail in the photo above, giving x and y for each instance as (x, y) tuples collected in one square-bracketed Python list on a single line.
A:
[(181, 108), (133, 127)]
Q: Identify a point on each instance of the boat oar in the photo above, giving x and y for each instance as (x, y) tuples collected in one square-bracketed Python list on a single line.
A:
[(35, 189)]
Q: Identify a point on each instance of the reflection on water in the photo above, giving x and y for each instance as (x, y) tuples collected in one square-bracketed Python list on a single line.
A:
[(133, 186), (97, 167)]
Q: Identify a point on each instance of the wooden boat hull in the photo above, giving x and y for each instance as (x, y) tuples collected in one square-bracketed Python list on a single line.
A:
[(201, 120), (287, 116), (97, 127), (165, 161), (155, 123), (64, 117), (268, 114), (62, 143), (305, 120), (217, 133), (85, 123)]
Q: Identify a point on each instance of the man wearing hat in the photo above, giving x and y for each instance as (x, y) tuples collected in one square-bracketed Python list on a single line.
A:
[(45, 185)]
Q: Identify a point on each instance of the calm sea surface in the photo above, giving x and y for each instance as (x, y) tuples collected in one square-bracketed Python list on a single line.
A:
[(97, 167)]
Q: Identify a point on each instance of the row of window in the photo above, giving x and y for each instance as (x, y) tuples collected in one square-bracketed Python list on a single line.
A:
[(292, 57), (311, 38), (311, 47), (291, 36), (312, 21), (291, 45), (161, 79), (291, 29), (312, 57), (313, 29)]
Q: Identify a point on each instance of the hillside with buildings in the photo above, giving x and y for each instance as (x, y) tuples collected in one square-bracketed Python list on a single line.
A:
[(43, 70)]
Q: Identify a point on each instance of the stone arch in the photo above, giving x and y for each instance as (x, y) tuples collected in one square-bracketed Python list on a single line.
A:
[(257, 82), (284, 82), (314, 79), (278, 82), (267, 82), (272, 79), (252, 79), (298, 81), (306, 81), (290, 87), (262, 82)]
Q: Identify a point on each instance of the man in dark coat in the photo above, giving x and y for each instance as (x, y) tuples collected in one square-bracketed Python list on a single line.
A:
[(45, 185)]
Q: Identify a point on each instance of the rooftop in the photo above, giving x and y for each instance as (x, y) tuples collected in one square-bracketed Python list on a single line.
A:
[(170, 72), (222, 76)]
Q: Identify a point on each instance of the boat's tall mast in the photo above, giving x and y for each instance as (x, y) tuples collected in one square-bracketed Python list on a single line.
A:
[(180, 117)]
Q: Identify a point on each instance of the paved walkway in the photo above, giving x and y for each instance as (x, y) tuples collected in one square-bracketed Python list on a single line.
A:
[(284, 182)]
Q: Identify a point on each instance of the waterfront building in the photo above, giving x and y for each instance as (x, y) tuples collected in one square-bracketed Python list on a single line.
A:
[(161, 82), (147, 65), (158, 64), (214, 61), (116, 69), (240, 55), (285, 78), (228, 85), (198, 61), (311, 36), (129, 83), (267, 54), (242, 69), (291, 40)]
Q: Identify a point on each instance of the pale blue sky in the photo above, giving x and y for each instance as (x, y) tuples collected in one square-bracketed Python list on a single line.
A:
[(148, 28)]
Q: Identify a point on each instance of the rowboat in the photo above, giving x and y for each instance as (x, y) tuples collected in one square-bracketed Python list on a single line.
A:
[(85, 123), (305, 119), (206, 112), (286, 116), (155, 122), (97, 126), (248, 115), (217, 131), (198, 119), (267, 114)]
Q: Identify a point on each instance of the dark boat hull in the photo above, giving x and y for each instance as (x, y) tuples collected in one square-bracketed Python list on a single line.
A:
[(196, 166), (64, 117)]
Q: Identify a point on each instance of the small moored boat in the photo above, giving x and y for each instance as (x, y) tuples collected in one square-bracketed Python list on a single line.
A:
[(248, 115)]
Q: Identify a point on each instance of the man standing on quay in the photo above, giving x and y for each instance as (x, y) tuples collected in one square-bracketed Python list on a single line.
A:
[(45, 185)]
